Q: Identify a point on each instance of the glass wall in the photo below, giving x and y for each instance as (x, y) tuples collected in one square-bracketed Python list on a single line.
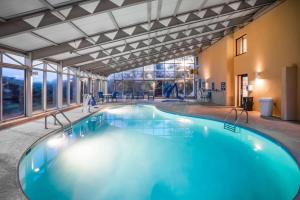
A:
[(37, 90), (51, 90), (15, 72), (73, 89), (153, 78), (13, 82), (65, 89)]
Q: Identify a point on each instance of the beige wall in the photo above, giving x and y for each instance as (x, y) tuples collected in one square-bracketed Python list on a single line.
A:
[(216, 65), (273, 43)]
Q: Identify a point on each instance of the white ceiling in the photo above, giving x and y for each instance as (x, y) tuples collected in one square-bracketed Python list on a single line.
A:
[(113, 29)]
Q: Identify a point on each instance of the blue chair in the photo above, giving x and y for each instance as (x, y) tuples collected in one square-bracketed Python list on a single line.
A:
[(114, 96), (101, 96)]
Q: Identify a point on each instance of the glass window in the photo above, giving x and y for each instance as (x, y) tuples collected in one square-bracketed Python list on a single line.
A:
[(149, 68), (37, 90), (169, 74), (148, 75), (118, 76), (138, 75), (159, 67), (179, 67), (65, 89), (128, 87), (189, 85), (180, 74), (169, 67), (36, 64), (179, 60), (158, 88), (180, 85), (170, 61), (159, 74), (13, 59), (51, 90), (128, 75), (170, 70), (51, 67), (72, 89), (241, 45), (118, 86), (149, 86), (13, 92), (189, 59)]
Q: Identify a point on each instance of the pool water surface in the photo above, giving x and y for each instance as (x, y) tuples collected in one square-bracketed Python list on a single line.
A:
[(137, 152)]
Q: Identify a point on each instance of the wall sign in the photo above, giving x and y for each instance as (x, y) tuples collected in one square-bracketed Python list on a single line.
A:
[(223, 86)]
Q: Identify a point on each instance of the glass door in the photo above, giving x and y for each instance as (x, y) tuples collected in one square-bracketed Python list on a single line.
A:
[(242, 88)]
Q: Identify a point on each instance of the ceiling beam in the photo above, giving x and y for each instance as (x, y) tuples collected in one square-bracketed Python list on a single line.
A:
[(73, 61), (43, 52), (169, 51)]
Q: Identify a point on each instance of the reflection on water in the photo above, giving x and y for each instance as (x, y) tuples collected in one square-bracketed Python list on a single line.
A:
[(138, 152)]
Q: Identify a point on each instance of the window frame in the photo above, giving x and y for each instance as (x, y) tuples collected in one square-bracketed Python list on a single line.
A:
[(243, 51)]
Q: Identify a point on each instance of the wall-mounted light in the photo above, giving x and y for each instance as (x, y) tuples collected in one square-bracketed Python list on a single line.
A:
[(250, 88), (259, 82), (257, 75)]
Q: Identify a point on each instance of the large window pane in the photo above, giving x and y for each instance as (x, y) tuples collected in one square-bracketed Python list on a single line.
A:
[(189, 85), (159, 74), (148, 75), (13, 59), (149, 68), (51, 89), (169, 67), (37, 90), (65, 89), (13, 92), (170, 70), (72, 89), (180, 85), (159, 66), (118, 86), (169, 74), (128, 87)]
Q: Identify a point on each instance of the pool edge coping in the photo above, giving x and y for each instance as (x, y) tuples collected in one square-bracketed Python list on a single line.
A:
[(53, 132)]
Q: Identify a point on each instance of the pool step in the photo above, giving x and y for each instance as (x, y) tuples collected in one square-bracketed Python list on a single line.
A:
[(230, 127), (68, 130)]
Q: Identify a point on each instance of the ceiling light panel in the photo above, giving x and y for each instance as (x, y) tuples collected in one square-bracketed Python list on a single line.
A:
[(188, 5), (95, 24), (10, 8), (131, 15), (25, 41), (168, 7), (59, 33)]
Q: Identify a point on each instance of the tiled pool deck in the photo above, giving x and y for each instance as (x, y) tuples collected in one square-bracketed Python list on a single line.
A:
[(14, 141)]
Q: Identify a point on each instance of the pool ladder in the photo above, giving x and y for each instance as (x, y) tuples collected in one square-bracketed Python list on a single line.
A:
[(233, 126), (69, 128)]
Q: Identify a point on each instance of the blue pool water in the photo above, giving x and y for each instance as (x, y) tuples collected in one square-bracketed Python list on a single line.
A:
[(141, 153)]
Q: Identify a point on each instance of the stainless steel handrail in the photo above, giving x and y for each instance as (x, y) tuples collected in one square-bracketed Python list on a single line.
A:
[(232, 126), (64, 115), (54, 115), (228, 114), (240, 115)]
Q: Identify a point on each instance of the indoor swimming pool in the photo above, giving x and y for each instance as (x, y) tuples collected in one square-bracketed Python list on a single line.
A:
[(138, 152)]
